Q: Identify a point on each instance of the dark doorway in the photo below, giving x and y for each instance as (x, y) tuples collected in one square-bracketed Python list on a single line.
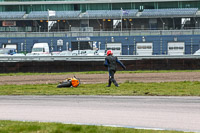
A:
[(81, 45), (76, 7)]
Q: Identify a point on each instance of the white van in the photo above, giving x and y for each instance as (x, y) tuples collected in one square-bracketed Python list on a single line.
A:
[(197, 52), (40, 48)]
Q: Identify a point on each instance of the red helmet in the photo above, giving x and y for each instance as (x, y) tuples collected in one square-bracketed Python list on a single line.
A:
[(109, 52)]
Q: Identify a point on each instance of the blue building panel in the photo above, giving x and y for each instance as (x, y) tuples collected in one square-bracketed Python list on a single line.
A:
[(160, 43)]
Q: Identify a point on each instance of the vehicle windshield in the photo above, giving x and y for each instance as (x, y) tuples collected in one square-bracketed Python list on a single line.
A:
[(101, 51), (90, 52), (37, 50), (3, 51)]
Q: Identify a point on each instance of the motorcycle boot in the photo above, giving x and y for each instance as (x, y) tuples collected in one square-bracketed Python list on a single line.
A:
[(109, 83)]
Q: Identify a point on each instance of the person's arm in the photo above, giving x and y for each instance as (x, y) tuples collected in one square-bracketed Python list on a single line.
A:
[(106, 62), (121, 64)]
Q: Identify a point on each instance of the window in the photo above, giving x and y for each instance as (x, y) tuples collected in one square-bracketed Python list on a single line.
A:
[(144, 47), (117, 48), (175, 48)]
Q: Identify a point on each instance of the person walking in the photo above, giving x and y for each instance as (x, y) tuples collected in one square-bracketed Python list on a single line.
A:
[(111, 62)]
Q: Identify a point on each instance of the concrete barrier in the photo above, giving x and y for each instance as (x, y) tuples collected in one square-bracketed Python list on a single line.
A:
[(78, 66)]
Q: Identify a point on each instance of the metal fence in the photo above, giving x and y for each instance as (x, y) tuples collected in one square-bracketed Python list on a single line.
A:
[(101, 33), (11, 58)]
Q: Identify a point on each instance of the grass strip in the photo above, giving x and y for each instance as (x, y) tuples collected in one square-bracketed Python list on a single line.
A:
[(98, 72), (37, 127), (185, 88)]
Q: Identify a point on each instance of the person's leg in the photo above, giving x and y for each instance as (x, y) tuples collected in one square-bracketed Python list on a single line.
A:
[(109, 80), (112, 79)]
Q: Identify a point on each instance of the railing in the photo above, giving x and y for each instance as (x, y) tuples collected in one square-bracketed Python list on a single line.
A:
[(90, 58), (100, 33)]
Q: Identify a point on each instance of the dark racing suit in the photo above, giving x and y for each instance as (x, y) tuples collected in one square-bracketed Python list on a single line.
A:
[(111, 63)]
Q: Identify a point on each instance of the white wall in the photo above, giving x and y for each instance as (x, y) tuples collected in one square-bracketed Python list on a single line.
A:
[(115, 47), (145, 48), (176, 48)]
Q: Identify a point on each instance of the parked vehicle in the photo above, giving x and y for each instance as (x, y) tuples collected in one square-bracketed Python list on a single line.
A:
[(197, 52), (56, 53), (65, 53), (7, 51), (88, 52), (40, 48), (83, 52), (100, 52), (75, 52), (19, 54)]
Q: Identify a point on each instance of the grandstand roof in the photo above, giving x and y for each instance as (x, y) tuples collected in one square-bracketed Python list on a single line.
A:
[(173, 12), (101, 14), (109, 13), (11, 15), (15, 2), (58, 15)]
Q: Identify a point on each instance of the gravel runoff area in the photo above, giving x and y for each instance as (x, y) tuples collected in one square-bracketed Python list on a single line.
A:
[(102, 78)]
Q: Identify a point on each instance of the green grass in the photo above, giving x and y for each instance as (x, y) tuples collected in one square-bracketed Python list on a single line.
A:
[(185, 88), (99, 72), (37, 127)]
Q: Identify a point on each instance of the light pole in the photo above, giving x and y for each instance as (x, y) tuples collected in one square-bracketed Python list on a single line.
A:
[(48, 20), (69, 27), (39, 28), (163, 26), (67, 46), (22, 44), (121, 18), (99, 45)]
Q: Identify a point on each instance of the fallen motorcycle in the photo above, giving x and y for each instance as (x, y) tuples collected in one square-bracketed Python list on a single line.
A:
[(69, 82)]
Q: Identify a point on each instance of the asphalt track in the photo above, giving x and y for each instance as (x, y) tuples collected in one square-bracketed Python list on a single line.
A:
[(164, 113)]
